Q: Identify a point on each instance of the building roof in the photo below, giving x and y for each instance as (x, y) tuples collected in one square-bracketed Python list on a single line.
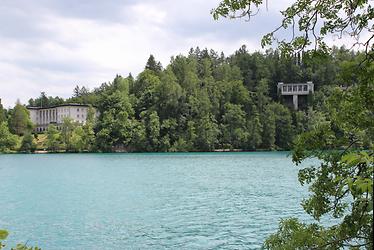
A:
[(296, 83), (62, 105)]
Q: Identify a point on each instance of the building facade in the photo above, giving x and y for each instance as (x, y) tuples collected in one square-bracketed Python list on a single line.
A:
[(295, 90), (43, 117)]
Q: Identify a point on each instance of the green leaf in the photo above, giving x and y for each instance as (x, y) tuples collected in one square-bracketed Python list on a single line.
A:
[(3, 234)]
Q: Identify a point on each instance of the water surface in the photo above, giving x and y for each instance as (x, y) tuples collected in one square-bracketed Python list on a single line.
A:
[(147, 201)]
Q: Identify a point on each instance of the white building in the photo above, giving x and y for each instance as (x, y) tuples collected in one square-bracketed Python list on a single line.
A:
[(295, 89), (43, 117)]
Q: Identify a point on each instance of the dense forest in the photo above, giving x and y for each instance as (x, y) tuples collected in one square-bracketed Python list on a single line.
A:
[(204, 101)]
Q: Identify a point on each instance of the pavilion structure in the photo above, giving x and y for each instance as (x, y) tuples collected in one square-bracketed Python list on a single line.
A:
[(295, 90)]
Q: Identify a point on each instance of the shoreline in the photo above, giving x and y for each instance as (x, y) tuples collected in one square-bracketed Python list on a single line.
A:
[(145, 152)]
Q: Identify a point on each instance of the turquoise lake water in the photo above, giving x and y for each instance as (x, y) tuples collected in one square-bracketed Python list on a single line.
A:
[(147, 201)]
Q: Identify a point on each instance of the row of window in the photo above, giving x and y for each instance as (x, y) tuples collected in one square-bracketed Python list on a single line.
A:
[(295, 88), (42, 112), (61, 116)]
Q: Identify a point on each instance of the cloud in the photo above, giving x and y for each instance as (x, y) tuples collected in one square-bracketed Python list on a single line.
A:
[(53, 45)]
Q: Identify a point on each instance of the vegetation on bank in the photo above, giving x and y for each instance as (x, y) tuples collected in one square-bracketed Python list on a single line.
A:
[(201, 102)]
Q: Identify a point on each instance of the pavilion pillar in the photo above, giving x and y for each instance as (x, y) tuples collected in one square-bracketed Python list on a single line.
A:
[(295, 102)]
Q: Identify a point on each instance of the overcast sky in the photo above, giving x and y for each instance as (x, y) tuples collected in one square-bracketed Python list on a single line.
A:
[(53, 45)]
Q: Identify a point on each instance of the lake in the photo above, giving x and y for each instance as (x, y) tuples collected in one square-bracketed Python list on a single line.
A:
[(147, 201)]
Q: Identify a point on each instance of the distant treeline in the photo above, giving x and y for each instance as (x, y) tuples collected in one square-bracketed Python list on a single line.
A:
[(201, 102)]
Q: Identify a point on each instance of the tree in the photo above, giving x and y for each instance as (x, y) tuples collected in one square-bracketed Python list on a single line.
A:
[(43, 100), (153, 65), (28, 145), (20, 122), (300, 121), (139, 138), (168, 134), (284, 131), (88, 136), (53, 138), (77, 142), (234, 126), (114, 126), (167, 94), (269, 128), (144, 89), (255, 128), (262, 95), (315, 20), (8, 141), (152, 127), (2, 113), (76, 91), (67, 128), (206, 133)]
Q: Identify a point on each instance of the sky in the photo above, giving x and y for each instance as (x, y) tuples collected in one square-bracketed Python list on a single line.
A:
[(54, 45)]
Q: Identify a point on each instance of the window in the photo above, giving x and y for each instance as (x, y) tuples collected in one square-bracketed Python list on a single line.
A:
[(289, 88), (78, 110), (78, 116), (284, 88), (305, 87), (300, 87), (294, 88)]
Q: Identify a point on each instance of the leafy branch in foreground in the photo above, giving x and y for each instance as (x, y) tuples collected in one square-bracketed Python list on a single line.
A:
[(4, 234), (311, 21)]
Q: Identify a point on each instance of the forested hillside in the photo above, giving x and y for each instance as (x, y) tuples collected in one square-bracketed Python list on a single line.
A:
[(202, 102)]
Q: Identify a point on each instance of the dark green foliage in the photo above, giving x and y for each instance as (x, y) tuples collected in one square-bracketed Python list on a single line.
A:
[(67, 129), (206, 133), (234, 131), (77, 142), (284, 130), (151, 123), (88, 134), (53, 142), (2, 113), (44, 101), (197, 103), (8, 141), (255, 128), (114, 127), (204, 102), (20, 122), (153, 65), (28, 145), (293, 234)]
